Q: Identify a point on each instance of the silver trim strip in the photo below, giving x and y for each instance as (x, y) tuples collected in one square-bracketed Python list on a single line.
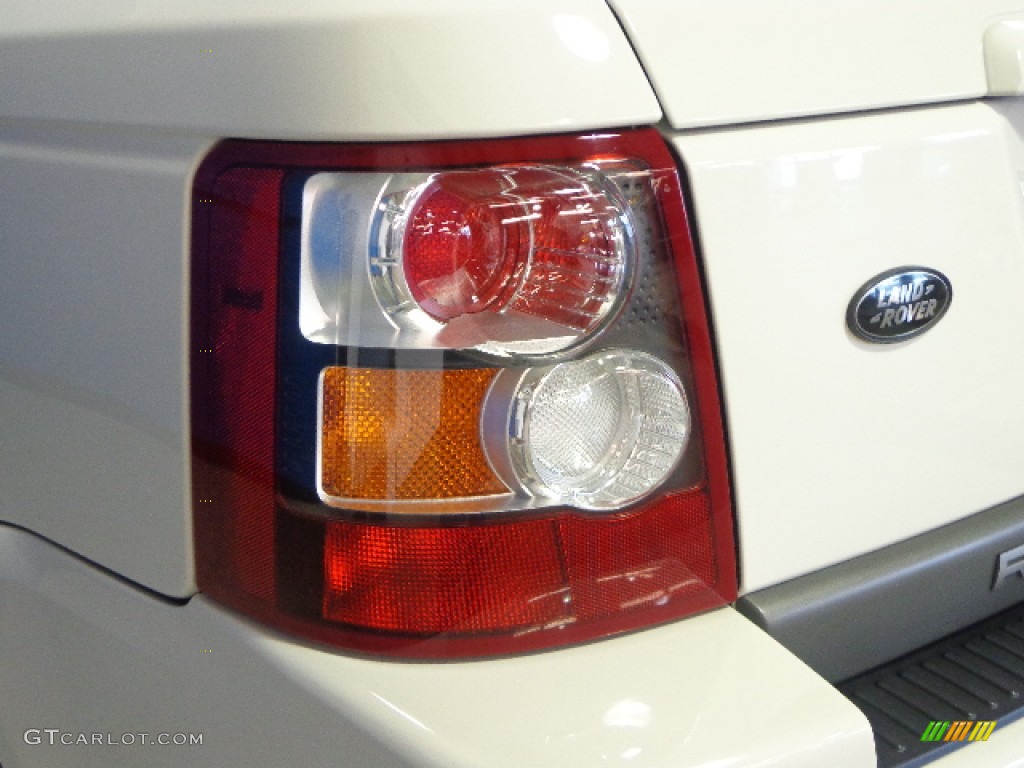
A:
[(862, 613)]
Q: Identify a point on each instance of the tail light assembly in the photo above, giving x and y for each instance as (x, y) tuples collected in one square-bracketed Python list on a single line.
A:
[(454, 399)]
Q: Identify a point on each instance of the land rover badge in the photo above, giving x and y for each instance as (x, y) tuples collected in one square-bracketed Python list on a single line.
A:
[(899, 304)]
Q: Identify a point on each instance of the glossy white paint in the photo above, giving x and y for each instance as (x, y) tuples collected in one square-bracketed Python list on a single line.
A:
[(94, 311), (337, 69), (1004, 57), (710, 691), (716, 62), (840, 446)]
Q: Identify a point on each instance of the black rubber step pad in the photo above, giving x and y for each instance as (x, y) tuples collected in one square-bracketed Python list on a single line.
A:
[(974, 675)]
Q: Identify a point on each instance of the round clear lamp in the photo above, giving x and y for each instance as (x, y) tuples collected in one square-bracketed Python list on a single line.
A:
[(598, 433)]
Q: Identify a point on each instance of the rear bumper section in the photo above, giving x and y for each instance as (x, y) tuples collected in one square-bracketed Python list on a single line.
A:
[(88, 664), (948, 695), (869, 610)]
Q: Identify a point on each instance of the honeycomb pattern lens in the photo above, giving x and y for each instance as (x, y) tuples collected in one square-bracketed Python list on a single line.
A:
[(406, 435), (604, 431)]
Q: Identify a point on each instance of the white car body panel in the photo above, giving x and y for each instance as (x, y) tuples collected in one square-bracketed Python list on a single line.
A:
[(840, 446), (719, 62), (1004, 56), (322, 69), (93, 376), (680, 696)]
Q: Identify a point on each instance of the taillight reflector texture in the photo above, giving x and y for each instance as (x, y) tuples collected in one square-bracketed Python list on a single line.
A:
[(539, 576), (597, 432), (400, 435), (454, 399)]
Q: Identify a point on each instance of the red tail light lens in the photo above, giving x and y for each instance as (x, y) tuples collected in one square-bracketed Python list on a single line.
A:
[(463, 253), (545, 242), (454, 398)]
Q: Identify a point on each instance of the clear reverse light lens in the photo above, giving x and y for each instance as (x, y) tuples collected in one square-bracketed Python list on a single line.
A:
[(597, 433)]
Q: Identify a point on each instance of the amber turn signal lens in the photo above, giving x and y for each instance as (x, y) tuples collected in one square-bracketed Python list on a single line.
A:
[(403, 435)]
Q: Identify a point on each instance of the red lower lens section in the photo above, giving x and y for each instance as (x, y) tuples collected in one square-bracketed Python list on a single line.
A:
[(526, 578), (485, 589), (491, 588), (426, 581), (658, 562), (536, 579)]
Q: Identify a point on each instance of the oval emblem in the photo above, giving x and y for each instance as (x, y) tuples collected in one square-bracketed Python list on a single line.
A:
[(899, 304)]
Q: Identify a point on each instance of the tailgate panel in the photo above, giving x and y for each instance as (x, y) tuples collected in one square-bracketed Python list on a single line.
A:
[(716, 62), (841, 446)]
